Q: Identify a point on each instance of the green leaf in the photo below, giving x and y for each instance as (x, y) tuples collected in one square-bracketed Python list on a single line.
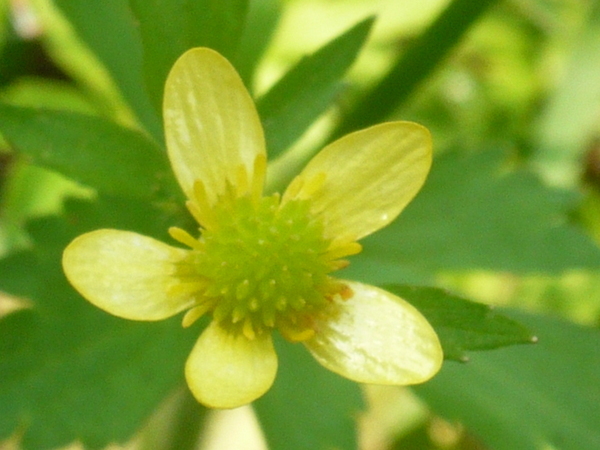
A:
[(69, 371), (88, 149), (308, 89), (308, 406), (169, 28), (109, 30), (565, 127), (527, 397), (463, 325), (474, 214), (261, 23), (415, 65), (92, 378)]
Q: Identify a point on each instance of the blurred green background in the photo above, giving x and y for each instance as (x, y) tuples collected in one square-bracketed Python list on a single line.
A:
[(510, 215)]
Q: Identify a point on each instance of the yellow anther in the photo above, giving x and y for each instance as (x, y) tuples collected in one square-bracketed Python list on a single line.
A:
[(184, 288), (241, 181), (202, 209), (238, 314), (194, 210), (258, 177), (293, 189), (295, 335), (339, 249), (195, 313), (185, 238), (248, 329), (338, 264)]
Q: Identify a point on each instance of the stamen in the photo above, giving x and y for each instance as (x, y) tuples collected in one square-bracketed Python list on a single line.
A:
[(185, 238), (195, 313), (339, 250), (203, 211), (238, 314), (241, 181), (194, 211), (183, 288), (248, 329), (338, 264), (258, 177), (293, 189), (294, 335), (346, 292)]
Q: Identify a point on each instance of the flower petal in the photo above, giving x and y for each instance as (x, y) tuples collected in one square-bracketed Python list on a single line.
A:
[(227, 370), (126, 274), (377, 338), (371, 175), (211, 124)]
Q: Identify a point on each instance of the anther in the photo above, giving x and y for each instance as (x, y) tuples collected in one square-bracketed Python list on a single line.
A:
[(238, 314), (202, 207), (248, 329), (258, 177), (185, 238), (339, 249), (338, 264), (195, 313), (293, 189), (241, 181)]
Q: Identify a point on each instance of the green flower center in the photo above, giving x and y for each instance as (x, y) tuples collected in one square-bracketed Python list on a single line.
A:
[(266, 266)]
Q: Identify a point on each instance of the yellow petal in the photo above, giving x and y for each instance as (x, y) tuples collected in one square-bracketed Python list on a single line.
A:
[(211, 124), (228, 370), (377, 338), (126, 274), (371, 175)]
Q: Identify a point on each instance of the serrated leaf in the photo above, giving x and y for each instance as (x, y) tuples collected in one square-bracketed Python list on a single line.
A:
[(308, 406), (69, 371), (88, 149), (170, 28), (528, 397), (308, 89), (92, 378), (474, 214), (108, 28), (463, 325)]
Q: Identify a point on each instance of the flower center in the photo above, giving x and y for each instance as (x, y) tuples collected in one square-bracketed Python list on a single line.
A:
[(265, 264)]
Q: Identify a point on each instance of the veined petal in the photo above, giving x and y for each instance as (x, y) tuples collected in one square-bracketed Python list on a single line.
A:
[(370, 176), (377, 338), (211, 124), (228, 370), (126, 274)]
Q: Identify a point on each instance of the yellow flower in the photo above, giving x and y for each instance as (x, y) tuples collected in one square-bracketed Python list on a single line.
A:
[(263, 263)]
